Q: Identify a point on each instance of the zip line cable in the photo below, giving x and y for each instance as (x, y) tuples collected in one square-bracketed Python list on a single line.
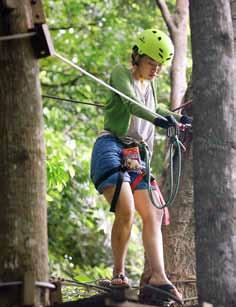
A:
[(16, 36), (77, 67), (72, 100)]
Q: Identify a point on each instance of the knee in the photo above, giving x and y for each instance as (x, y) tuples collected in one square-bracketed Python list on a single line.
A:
[(129, 218), (126, 217), (153, 217)]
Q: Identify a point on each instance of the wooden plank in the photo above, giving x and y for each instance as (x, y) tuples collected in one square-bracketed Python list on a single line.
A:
[(37, 12), (29, 289), (56, 295), (130, 304)]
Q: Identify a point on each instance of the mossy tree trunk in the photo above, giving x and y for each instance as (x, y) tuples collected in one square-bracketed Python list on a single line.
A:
[(23, 220)]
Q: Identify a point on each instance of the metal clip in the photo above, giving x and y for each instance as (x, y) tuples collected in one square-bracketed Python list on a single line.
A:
[(172, 131)]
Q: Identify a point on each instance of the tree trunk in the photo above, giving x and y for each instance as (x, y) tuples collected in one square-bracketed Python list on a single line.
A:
[(23, 221), (179, 243), (214, 151), (233, 15), (177, 25)]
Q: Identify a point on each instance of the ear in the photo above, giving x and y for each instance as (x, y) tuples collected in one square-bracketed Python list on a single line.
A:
[(136, 59)]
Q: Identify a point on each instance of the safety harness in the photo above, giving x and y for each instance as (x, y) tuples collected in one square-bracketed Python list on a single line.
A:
[(136, 148), (131, 153)]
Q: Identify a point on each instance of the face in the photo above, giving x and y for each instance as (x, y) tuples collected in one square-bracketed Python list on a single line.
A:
[(147, 68)]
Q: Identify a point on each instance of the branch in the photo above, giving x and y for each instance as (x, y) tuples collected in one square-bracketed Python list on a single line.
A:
[(166, 15), (182, 8), (73, 26)]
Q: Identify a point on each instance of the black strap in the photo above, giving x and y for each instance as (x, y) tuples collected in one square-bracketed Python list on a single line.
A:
[(106, 175), (120, 170), (117, 191)]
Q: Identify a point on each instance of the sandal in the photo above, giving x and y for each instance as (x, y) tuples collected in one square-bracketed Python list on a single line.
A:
[(105, 283), (120, 281), (165, 292)]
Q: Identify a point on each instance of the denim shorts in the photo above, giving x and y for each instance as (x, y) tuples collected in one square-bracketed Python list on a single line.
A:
[(107, 154)]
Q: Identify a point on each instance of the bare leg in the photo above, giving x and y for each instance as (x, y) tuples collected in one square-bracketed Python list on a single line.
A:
[(122, 226), (152, 237)]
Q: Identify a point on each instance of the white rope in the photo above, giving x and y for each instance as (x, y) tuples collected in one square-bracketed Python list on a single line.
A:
[(41, 284), (77, 67), (44, 284), (16, 36), (10, 283)]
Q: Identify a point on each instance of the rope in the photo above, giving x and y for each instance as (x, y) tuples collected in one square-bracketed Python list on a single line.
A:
[(41, 284), (174, 191), (77, 284), (101, 82), (16, 36), (174, 142), (10, 283), (77, 67), (184, 105), (44, 284), (74, 101)]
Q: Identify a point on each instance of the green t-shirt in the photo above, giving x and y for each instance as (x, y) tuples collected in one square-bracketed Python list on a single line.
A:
[(118, 110)]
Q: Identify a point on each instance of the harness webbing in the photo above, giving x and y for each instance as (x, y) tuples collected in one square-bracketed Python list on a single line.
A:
[(115, 198), (120, 170)]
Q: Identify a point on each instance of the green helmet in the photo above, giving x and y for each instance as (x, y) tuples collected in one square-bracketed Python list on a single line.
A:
[(156, 44)]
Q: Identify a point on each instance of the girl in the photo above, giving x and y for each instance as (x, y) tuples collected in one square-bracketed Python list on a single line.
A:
[(128, 127)]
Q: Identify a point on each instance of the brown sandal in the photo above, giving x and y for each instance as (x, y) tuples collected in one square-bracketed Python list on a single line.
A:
[(106, 283), (123, 281), (164, 292)]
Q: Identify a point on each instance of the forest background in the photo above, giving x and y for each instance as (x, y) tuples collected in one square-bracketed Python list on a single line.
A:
[(96, 35)]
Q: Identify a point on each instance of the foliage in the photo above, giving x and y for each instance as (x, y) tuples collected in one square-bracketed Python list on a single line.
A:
[(96, 35)]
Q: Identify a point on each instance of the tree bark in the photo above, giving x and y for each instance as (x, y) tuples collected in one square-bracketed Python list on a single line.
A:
[(177, 25), (214, 151), (233, 15), (179, 243), (23, 219)]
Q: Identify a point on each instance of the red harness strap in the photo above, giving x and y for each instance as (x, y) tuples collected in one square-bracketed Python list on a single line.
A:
[(137, 180)]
